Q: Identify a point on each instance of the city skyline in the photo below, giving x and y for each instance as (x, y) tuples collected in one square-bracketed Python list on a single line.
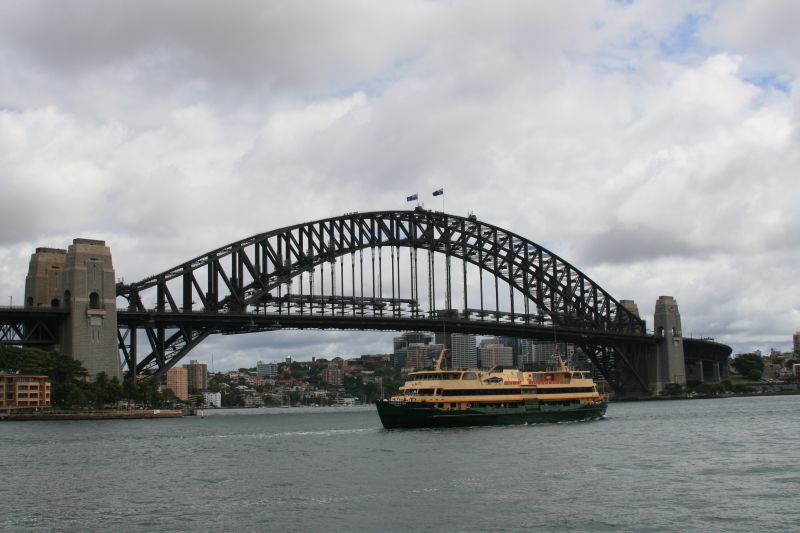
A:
[(654, 146)]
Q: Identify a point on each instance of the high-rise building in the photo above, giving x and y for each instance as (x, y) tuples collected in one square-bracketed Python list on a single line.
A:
[(197, 374), (442, 338), (525, 355), (416, 356), (492, 355), (267, 370), (464, 350), (332, 375), (400, 355), (178, 382), (545, 352), (796, 342)]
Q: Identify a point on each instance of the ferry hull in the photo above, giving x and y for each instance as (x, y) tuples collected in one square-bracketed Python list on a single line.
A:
[(425, 415)]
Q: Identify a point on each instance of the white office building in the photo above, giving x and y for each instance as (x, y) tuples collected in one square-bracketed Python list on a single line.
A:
[(212, 399), (464, 350), (267, 370)]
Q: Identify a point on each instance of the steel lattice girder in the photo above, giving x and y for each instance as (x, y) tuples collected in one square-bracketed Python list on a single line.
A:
[(244, 273), (29, 326)]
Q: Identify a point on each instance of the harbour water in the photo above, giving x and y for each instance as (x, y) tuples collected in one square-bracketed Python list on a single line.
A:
[(723, 465)]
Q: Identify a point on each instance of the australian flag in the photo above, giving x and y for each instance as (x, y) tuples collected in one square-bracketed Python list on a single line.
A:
[(438, 192), (411, 198)]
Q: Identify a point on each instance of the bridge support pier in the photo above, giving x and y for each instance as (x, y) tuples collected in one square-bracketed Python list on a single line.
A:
[(715, 372), (668, 366), (694, 371), (80, 279)]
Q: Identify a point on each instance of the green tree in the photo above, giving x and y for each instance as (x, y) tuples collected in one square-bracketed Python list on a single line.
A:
[(106, 391), (299, 371), (749, 365), (67, 376)]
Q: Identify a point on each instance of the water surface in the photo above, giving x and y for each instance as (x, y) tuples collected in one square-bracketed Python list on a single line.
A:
[(702, 465)]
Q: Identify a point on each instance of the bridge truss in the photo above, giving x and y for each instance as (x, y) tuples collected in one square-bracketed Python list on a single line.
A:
[(25, 326), (387, 270)]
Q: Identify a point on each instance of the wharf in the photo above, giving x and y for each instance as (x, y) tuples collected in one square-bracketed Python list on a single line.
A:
[(107, 414)]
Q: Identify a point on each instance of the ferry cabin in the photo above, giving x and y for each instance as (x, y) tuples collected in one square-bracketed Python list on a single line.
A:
[(467, 389)]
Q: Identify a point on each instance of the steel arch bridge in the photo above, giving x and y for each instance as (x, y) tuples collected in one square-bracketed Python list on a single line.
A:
[(386, 270)]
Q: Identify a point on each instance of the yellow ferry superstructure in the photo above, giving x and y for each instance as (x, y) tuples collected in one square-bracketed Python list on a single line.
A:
[(438, 397)]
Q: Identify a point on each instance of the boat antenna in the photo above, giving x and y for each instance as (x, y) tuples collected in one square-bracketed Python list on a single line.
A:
[(556, 351)]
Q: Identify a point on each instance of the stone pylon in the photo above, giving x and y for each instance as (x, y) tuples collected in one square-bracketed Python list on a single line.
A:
[(80, 279), (669, 365)]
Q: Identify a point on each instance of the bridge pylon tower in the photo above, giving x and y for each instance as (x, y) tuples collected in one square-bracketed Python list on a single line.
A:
[(81, 280), (668, 366)]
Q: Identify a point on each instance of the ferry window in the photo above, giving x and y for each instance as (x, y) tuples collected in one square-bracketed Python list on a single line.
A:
[(470, 375)]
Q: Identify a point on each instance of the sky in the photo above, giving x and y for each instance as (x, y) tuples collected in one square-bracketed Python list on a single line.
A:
[(654, 145)]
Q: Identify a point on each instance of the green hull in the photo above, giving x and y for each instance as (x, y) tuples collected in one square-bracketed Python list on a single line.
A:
[(425, 415)]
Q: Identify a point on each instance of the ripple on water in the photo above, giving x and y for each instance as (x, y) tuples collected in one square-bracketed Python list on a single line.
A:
[(654, 466)]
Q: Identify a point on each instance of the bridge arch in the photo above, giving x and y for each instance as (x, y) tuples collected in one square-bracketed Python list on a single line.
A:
[(245, 275)]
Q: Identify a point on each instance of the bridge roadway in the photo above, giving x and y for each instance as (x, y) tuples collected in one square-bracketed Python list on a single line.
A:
[(40, 326), (240, 323), (235, 323)]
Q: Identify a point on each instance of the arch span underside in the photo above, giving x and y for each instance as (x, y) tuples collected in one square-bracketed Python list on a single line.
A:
[(388, 270)]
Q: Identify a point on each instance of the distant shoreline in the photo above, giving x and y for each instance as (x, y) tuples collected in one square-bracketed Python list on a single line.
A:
[(137, 414), (707, 396)]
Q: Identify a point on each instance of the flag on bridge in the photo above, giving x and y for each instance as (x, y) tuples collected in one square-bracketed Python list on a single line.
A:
[(411, 198), (438, 192)]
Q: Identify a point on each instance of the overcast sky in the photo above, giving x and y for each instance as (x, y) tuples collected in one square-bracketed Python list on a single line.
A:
[(654, 145)]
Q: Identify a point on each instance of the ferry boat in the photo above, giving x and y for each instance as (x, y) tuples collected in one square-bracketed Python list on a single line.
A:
[(446, 398)]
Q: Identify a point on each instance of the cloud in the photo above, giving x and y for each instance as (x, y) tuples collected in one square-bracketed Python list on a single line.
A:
[(653, 145)]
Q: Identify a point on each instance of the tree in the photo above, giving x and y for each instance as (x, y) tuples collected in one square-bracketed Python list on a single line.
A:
[(749, 365), (67, 376)]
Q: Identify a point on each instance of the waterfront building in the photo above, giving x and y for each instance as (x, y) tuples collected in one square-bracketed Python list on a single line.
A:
[(464, 350), (525, 355), (400, 346), (442, 338), (492, 355), (332, 375), (178, 382), (417, 356), (212, 399), (399, 358), (22, 391), (197, 374), (347, 401), (545, 352), (267, 370), (251, 400)]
